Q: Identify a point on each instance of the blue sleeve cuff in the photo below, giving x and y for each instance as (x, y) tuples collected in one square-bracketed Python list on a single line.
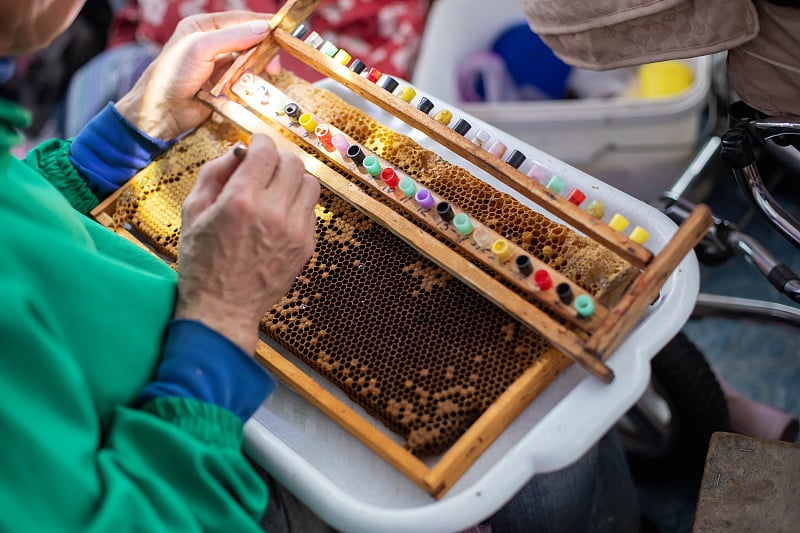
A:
[(200, 363), (110, 150)]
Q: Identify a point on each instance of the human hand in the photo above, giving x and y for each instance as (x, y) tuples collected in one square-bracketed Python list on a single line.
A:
[(247, 230), (162, 102)]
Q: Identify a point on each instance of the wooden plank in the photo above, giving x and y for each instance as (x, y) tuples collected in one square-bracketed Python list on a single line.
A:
[(484, 431), (109, 205), (288, 17), (645, 288), (749, 484), (394, 454), (438, 252), (635, 253), (238, 66), (106, 220)]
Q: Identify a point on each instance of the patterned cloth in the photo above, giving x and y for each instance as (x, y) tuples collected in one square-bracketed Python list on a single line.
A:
[(383, 34), (765, 72), (154, 21)]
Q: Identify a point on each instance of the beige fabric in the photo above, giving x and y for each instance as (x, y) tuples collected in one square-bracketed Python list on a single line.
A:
[(565, 16), (606, 34), (763, 39), (765, 72)]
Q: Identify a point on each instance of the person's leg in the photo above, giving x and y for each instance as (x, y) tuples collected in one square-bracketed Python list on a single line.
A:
[(595, 494), (285, 513)]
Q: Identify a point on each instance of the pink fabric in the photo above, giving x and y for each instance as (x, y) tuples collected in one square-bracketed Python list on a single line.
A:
[(154, 21), (756, 419), (383, 34)]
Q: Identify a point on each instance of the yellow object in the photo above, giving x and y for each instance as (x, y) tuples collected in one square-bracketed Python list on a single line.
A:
[(407, 93), (444, 116), (639, 235), (502, 250), (308, 122), (342, 57), (618, 222), (665, 78)]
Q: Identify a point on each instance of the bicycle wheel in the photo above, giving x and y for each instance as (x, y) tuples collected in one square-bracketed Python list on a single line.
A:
[(666, 433)]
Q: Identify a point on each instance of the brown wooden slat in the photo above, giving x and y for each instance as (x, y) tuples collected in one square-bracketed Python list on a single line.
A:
[(394, 454), (292, 13), (635, 253), (644, 290), (484, 431)]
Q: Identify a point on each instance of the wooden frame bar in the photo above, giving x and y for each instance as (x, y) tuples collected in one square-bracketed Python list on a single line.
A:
[(440, 478), (646, 286), (292, 13), (397, 456)]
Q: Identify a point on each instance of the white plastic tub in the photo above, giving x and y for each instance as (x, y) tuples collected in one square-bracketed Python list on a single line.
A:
[(354, 490), (639, 146)]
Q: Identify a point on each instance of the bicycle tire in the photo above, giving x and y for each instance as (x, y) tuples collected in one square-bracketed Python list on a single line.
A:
[(683, 377)]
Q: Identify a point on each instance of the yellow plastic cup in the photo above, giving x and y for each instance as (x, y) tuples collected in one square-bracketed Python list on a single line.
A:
[(663, 79)]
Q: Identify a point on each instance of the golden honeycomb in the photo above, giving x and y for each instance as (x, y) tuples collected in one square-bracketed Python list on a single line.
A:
[(152, 201), (415, 347), (596, 269)]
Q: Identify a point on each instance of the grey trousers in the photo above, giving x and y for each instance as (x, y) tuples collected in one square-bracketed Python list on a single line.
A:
[(594, 494)]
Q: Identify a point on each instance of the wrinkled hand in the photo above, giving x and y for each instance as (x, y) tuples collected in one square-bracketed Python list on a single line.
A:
[(162, 102), (247, 231)]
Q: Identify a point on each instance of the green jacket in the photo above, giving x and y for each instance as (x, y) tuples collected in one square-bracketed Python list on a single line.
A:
[(82, 317)]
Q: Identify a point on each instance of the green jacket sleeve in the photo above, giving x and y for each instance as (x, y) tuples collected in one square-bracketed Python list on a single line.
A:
[(172, 465), (51, 159)]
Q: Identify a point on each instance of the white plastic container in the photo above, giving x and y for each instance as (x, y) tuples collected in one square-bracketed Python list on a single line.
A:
[(355, 491), (639, 146)]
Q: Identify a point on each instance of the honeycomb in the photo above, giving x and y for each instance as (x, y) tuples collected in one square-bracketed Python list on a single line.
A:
[(152, 201), (596, 269), (415, 347)]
